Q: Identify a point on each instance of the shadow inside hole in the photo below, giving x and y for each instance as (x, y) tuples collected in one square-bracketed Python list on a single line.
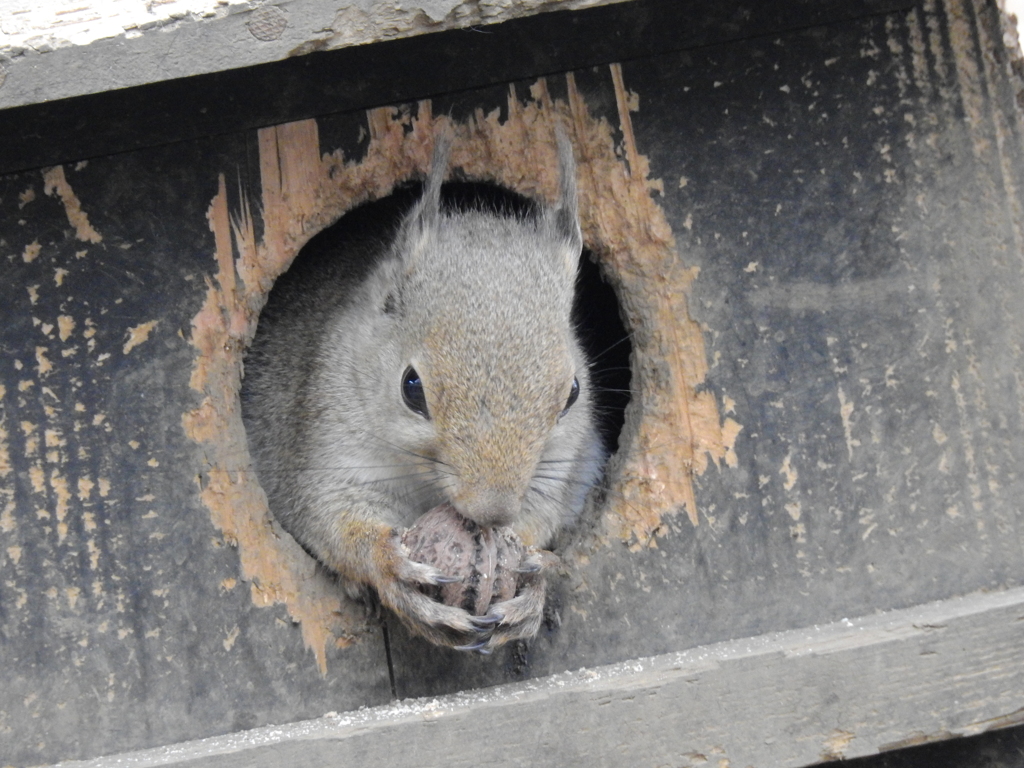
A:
[(608, 346)]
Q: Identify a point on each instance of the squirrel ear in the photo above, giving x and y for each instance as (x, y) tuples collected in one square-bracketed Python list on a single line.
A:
[(563, 219), (421, 222)]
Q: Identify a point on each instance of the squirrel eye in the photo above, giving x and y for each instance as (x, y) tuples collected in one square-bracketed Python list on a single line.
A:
[(574, 393), (412, 392)]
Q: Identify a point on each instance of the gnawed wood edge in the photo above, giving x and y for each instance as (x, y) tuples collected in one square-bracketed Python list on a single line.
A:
[(841, 690), (673, 429)]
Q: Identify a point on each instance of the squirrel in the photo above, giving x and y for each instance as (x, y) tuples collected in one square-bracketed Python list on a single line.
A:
[(439, 367)]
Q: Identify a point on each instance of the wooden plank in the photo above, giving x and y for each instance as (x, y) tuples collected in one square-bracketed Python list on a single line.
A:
[(851, 688), (112, 44), (52, 124)]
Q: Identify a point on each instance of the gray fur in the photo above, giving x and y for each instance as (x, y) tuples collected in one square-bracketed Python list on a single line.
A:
[(480, 305)]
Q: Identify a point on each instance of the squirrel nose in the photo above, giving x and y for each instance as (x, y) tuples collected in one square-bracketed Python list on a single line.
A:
[(493, 509)]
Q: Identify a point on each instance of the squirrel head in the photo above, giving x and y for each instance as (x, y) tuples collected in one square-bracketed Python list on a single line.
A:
[(492, 381)]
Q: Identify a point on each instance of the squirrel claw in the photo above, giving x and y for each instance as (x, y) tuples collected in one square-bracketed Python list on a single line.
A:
[(477, 646), (486, 622), (446, 579)]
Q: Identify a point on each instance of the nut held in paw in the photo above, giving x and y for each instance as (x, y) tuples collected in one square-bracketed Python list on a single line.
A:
[(484, 560)]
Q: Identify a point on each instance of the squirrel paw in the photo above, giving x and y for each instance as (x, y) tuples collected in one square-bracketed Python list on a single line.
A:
[(414, 592), (401, 589), (519, 617)]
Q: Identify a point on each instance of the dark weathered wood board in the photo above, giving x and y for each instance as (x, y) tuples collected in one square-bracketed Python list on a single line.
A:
[(393, 71), (849, 193)]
